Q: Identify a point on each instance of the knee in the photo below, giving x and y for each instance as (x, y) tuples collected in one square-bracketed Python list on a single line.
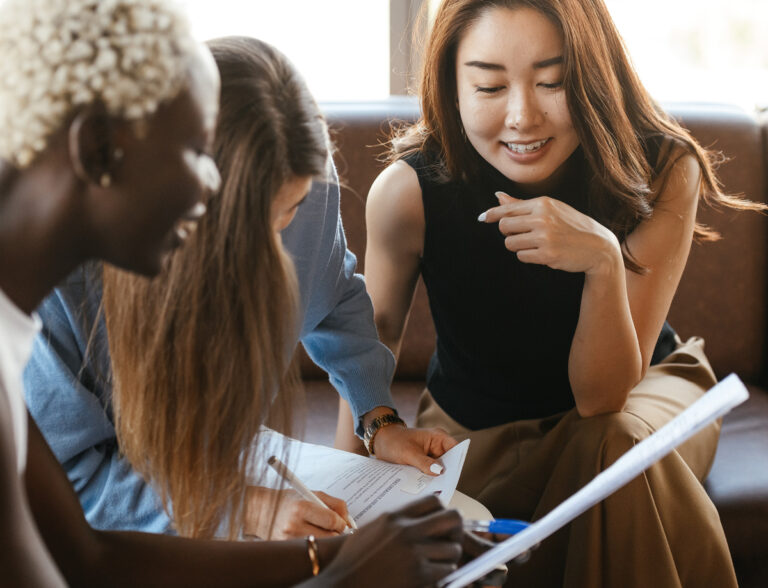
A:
[(608, 436)]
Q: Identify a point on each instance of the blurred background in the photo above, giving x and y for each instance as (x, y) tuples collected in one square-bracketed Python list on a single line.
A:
[(684, 50)]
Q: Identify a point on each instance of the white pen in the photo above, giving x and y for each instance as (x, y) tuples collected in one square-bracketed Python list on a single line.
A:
[(303, 491)]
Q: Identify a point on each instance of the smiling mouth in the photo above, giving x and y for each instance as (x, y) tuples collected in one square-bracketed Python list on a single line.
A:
[(527, 148)]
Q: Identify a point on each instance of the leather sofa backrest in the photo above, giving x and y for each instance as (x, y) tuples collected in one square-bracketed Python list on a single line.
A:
[(723, 293)]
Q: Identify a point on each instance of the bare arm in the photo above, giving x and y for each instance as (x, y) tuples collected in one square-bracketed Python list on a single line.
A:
[(394, 217), (24, 559), (414, 546), (621, 312), (395, 236), (88, 557)]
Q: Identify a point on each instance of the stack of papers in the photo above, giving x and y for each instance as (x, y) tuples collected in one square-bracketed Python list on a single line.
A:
[(370, 487), (714, 404)]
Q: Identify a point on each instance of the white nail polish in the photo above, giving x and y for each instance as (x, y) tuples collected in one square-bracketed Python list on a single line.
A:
[(481, 218), (436, 469)]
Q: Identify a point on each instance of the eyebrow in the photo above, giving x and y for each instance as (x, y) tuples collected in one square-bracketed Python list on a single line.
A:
[(485, 65), (548, 62), (498, 67)]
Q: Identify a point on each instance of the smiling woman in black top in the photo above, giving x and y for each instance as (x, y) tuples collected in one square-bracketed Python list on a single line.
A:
[(549, 205)]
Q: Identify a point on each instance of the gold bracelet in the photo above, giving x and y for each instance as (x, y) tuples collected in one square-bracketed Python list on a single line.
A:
[(314, 554)]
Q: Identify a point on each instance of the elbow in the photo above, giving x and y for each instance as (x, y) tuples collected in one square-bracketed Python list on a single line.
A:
[(87, 562), (604, 394), (602, 400), (591, 409)]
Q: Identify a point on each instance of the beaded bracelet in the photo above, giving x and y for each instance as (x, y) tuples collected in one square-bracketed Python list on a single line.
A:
[(314, 554)]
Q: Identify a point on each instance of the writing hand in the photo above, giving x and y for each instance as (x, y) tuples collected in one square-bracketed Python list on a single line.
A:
[(295, 517)]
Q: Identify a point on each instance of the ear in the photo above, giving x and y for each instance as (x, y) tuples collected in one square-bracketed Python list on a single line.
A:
[(90, 145)]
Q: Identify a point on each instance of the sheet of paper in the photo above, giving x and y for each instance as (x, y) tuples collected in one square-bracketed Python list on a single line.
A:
[(369, 486), (715, 403)]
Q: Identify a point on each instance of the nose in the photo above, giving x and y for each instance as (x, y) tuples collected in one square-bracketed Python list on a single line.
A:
[(523, 112)]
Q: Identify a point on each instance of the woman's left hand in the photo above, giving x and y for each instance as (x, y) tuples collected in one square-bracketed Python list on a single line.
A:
[(549, 232)]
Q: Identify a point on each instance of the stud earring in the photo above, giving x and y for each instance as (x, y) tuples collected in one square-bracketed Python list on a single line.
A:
[(105, 181)]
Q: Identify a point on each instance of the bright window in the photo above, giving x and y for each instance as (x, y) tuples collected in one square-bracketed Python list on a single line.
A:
[(698, 50), (340, 46)]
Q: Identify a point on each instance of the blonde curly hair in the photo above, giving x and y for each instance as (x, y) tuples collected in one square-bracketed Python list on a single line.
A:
[(58, 55)]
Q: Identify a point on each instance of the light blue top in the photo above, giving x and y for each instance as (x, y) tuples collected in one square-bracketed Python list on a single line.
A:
[(70, 399)]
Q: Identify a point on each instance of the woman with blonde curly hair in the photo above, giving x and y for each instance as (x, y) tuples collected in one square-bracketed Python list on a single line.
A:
[(110, 108)]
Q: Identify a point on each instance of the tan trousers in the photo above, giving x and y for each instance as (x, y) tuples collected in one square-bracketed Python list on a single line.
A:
[(660, 530)]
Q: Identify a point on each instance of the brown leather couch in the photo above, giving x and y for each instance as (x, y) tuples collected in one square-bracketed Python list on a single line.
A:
[(723, 297)]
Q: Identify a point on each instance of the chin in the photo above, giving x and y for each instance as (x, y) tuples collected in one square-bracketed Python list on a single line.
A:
[(148, 264), (148, 269)]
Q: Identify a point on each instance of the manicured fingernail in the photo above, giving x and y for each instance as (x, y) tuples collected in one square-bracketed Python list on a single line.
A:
[(436, 468), (481, 218), (499, 194)]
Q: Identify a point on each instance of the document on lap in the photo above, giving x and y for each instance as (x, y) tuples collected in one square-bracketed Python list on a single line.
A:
[(714, 404), (369, 486)]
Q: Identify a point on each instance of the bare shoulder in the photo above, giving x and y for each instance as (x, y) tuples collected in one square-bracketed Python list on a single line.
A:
[(394, 209), (678, 183)]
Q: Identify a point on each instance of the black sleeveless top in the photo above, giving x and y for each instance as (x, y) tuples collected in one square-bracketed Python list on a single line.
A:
[(504, 328)]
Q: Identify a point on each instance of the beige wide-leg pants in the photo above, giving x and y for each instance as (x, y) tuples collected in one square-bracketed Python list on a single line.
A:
[(661, 530)]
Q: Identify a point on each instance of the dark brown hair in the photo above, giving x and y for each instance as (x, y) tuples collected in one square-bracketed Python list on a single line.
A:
[(199, 353), (612, 113)]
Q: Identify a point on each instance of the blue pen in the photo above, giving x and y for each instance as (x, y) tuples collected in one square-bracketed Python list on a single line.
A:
[(501, 526)]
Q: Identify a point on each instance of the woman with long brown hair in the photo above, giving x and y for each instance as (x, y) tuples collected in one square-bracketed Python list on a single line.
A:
[(550, 204), (225, 299), (110, 108), (215, 329)]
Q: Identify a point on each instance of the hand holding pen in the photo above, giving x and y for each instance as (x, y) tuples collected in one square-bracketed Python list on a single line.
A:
[(332, 506)]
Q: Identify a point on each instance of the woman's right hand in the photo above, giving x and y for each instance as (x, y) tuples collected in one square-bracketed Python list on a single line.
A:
[(295, 517), (411, 547)]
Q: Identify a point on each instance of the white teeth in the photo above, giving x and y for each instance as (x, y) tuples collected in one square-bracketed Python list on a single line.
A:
[(519, 148)]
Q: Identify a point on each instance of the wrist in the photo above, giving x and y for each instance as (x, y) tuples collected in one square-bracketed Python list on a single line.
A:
[(369, 416), (379, 423), (609, 259)]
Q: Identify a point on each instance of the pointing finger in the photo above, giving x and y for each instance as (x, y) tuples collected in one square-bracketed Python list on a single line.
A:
[(516, 208), (505, 198)]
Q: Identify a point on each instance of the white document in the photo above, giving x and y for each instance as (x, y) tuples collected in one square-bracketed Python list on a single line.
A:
[(715, 403), (369, 486)]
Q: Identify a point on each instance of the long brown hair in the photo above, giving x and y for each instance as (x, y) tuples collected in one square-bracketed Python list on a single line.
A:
[(612, 113), (199, 352)]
